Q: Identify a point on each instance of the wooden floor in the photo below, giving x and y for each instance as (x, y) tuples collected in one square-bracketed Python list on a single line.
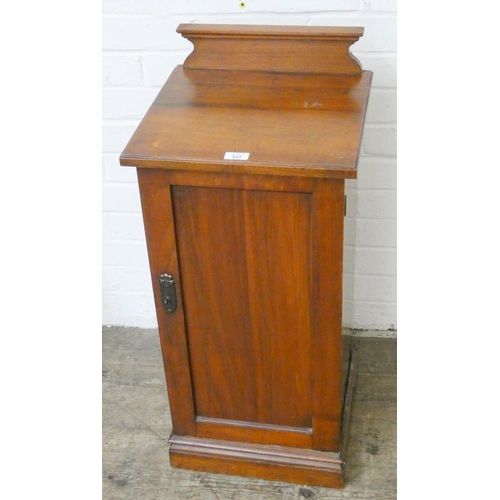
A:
[(136, 427)]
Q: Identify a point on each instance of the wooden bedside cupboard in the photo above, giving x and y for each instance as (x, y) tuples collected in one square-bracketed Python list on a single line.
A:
[(241, 161)]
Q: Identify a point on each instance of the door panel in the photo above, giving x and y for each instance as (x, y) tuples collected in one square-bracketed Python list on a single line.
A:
[(245, 264)]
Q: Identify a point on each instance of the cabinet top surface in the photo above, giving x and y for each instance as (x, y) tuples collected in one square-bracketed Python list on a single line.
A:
[(280, 122)]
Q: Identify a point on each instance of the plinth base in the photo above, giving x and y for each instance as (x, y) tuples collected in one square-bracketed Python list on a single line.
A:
[(274, 463)]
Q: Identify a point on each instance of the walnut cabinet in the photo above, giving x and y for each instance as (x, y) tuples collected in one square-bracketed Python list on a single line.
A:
[(241, 162)]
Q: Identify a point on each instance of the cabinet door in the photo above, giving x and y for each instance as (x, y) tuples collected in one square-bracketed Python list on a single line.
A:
[(253, 350)]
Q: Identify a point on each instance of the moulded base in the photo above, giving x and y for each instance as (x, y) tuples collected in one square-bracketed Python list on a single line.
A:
[(274, 463)]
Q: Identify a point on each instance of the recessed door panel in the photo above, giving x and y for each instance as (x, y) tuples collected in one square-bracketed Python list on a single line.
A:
[(245, 265)]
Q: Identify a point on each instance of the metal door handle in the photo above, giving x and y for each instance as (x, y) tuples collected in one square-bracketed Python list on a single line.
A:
[(168, 296)]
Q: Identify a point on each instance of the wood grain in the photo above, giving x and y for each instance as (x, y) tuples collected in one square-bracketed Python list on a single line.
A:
[(252, 432), (327, 316), (160, 236), (277, 228), (246, 266), (214, 286), (292, 49), (299, 128), (272, 463)]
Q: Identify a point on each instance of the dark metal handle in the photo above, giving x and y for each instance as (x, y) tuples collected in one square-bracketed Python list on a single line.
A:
[(168, 296)]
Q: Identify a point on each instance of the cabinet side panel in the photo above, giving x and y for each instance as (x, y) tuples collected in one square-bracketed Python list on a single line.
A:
[(211, 249), (277, 227)]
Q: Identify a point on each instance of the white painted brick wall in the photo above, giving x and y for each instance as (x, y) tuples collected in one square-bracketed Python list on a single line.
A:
[(141, 48)]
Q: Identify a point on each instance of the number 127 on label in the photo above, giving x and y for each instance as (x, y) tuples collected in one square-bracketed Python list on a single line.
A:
[(236, 156)]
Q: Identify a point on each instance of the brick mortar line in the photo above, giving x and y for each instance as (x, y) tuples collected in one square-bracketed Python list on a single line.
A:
[(364, 275), (116, 266), (145, 51), (392, 302), (112, 183), (368, 155), (380, 157), (344, 14), (380, 125), (370, 247), (121, 121), (124, 240), (377, 218), (125, 183), (371, 218)]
